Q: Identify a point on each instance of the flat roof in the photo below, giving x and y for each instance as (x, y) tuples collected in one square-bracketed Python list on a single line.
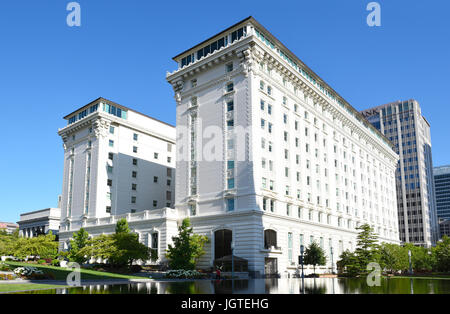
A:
[(117, 105), (317, 77), (220, 33)]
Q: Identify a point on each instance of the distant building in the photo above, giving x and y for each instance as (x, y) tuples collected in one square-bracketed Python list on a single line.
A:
[(442, 186), (444, 227), (9, 227), (403, 124), (40, 222)]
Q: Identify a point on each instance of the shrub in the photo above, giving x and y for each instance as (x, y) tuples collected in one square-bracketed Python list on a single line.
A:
[(184, 274), (4, 267), (41, 261), (28, 271)]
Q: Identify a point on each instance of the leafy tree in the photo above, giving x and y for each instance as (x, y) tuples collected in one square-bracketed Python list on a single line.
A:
[(7, 243), (442, 254), (122, 226), (80, 240), (120, 249), (421, 258), (43, 246), (314, 255), (348, 263), (187, 248), (366, 247), (393, 257)]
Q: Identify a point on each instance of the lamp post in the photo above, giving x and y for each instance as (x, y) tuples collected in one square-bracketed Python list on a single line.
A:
[(302, 249), (332, 264), (232, 267), (410, 264)]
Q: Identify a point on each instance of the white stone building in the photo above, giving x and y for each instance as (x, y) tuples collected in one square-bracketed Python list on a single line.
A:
[(39, 222), (271, 157), (117, 163)]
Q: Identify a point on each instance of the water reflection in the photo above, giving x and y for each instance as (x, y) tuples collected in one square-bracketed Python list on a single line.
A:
[(268, 286)]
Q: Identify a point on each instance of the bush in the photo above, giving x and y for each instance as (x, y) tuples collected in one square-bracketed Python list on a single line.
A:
[(55, 262), (184, 274), (41, 261), (4, 267), (32, 273), (135, 268)]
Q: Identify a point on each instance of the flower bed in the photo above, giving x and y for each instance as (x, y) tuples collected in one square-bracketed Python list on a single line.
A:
[(33, 273), (184, 274)]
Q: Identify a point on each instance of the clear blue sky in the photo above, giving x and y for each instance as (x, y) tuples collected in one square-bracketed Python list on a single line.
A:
[(124, 48)]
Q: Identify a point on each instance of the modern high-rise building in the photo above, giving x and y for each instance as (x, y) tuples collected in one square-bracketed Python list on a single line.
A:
[(442, 186), (403, 124), (270, 157), (117, 163)]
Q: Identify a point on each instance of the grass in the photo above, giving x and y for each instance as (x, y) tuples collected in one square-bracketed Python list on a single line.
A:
[(59, 273), (4, 288)]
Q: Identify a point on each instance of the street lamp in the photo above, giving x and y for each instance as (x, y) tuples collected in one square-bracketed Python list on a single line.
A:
[(332, 264), (232, 267), (232, 259), (302, 250), (410, 264)]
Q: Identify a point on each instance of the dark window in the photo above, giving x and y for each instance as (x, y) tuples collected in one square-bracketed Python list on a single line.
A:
[(270, 238), (222, 243)]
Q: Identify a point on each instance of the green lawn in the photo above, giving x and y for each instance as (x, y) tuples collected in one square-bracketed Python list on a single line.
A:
[(4, 288), (86, 274)]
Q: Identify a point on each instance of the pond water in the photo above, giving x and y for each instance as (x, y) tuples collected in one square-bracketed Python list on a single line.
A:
[(268, 286)]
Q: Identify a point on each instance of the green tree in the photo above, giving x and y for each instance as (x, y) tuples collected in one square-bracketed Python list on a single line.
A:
[(366, 247), (7, 243), (119, 249), (442, 254), (422, 258), (80, 240), (187, 247), (122, 226), (43, 246), (393, 257), (348, 263), (314, 255)]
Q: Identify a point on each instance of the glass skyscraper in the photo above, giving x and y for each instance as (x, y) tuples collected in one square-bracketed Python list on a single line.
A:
[(403, 124), (442, 186)]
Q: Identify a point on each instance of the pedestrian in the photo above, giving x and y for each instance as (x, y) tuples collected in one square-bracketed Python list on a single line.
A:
[(218, 274)]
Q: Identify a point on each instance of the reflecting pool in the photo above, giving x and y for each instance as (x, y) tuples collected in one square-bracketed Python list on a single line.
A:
[(268, 286)]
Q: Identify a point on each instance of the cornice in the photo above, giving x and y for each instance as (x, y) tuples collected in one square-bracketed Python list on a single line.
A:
[(297, 80)]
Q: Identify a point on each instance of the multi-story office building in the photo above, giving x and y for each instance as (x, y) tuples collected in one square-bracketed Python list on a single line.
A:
[(402, 123), (442, 189), (117, 163), (270, 157)]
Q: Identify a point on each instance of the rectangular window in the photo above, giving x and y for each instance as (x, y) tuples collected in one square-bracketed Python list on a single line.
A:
[(134, 186), (111, 143), (133, 199), (135, 137), (135, 161), (230, 204), (134, 174), (135, 149), (111, 129)]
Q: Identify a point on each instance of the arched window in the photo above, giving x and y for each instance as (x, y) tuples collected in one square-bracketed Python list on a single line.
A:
[(222, 243), (270, 238)]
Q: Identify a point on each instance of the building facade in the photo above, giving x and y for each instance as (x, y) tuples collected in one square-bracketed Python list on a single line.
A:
[(442, 186), (117, 162), (40, 222), (8, 227), (269, 157), (403, 124)]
